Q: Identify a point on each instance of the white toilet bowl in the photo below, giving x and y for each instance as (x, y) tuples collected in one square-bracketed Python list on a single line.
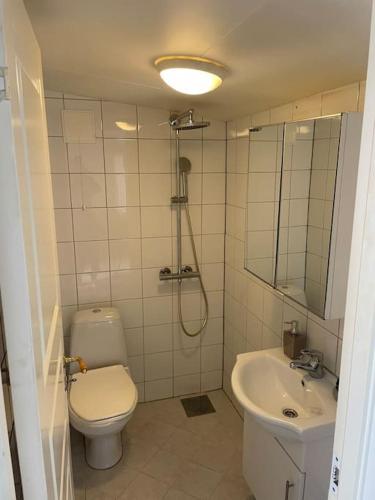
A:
[(102, 400)]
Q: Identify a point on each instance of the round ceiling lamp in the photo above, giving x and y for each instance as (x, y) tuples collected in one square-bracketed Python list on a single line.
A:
[(191, 75)]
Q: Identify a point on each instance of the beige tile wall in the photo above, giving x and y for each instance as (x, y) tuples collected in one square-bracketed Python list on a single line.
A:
[(111, 251), (116, 229), (255, 313)]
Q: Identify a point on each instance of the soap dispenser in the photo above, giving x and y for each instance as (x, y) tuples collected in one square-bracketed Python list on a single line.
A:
[(293, 341)]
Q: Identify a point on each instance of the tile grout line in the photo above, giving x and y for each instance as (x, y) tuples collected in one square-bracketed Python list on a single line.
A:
[(106, 202), (71, 210), (141, 254), (225, 251)]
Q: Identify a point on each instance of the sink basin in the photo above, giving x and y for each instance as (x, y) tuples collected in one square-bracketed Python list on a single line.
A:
[(288, 403)]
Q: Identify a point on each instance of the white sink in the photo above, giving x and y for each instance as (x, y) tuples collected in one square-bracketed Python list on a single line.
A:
[(265, 385)]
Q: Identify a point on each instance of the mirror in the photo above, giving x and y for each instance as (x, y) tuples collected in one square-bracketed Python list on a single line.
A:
[(291, 186), (263, 191), (306, 208)]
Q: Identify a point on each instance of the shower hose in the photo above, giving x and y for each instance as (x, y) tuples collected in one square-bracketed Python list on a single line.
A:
[(205, 319)]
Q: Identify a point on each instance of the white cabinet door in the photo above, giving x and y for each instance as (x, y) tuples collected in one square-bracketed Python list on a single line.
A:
[(343, 215), (28, 266), (267, 468)]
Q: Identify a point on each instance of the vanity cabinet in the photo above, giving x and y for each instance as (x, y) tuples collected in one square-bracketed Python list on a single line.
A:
[(268, 470), (302, 180), (277, 469)]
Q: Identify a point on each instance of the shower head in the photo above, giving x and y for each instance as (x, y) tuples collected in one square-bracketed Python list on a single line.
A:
[(177, 123), (191, 125), (184, 164)]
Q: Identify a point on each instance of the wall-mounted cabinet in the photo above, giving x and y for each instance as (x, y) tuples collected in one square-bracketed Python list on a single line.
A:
[(300, 205)]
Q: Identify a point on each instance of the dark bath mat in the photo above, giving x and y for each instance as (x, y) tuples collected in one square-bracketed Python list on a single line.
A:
[(197, 405)]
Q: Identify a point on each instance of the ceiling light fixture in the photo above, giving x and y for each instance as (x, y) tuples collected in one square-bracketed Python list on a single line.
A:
[(189, 74)]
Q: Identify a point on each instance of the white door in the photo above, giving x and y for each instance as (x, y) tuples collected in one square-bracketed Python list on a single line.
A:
[(354, 446), (28, 267)]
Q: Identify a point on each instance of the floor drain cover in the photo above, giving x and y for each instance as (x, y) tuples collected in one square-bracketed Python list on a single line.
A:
[(197, 405), (290, 413)]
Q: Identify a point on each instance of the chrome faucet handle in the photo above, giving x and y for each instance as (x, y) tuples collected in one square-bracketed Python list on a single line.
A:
[(311, 361), (165, 270), (75, 359), (313, 353)]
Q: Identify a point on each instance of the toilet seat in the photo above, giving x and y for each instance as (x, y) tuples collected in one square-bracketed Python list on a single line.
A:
[(103, 394)]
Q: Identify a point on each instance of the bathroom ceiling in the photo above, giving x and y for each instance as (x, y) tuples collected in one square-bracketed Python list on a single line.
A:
[(276, 50)]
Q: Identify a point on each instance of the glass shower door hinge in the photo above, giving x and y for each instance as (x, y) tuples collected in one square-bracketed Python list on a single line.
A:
[(4, 91)]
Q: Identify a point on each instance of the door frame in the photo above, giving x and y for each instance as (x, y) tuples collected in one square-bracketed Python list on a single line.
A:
[(30, 297), (7, 488), (354, 446)]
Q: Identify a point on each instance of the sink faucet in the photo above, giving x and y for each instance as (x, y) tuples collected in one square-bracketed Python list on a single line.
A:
[(310, 361)]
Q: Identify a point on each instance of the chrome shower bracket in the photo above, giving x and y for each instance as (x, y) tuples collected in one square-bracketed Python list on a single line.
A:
[(178, 200)]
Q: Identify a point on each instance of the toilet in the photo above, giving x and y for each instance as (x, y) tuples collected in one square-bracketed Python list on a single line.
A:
[(102, 400)]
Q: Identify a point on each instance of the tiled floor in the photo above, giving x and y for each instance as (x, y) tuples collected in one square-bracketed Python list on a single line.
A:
[(170, 456)]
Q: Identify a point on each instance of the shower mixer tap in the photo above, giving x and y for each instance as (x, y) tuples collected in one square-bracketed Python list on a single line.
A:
[(183, 275)]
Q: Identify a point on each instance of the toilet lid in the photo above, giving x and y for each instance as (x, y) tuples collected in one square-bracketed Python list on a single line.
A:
[(103, 393)]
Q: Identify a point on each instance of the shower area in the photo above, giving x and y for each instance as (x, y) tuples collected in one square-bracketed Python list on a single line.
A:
[(139, 196), (178, 123)]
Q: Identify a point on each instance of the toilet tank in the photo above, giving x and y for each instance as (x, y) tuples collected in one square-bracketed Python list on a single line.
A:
[(97, 335)]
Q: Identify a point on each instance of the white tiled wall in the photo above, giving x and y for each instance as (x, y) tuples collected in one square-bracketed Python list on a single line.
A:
[(254, 312), (115, 230)]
